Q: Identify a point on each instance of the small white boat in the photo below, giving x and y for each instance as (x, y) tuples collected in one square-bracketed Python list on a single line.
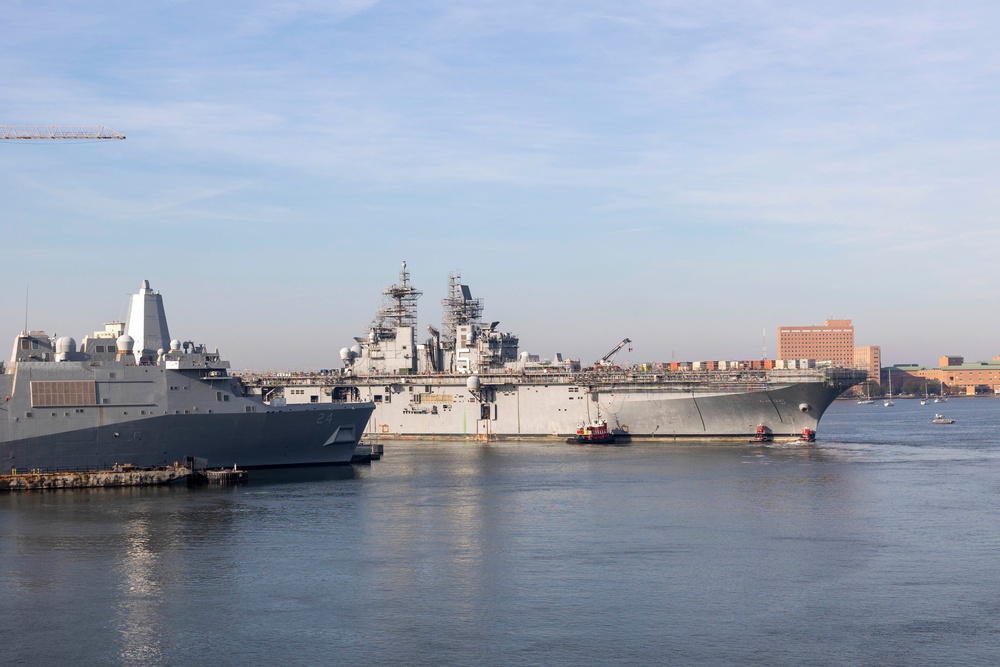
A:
[(888, 399), (941, 419), (941, 398)]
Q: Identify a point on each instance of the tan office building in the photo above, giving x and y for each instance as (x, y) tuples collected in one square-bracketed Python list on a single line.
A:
[(834, 341), (869, 358)]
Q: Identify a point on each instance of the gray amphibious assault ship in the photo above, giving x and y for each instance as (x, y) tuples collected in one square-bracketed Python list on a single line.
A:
[(130, 394), (469, 381)]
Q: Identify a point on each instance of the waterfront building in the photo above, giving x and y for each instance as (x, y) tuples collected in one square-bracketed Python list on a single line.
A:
[(833, 341), (869, 357), (955, 374)]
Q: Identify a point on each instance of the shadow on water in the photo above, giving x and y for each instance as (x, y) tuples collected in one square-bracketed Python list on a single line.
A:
[(264, 477)]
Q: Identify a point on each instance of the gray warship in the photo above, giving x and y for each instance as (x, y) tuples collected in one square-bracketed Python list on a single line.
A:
[(130, 394), (468, 380)]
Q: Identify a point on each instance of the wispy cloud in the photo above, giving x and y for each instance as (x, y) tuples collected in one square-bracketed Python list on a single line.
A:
[(808, 127)]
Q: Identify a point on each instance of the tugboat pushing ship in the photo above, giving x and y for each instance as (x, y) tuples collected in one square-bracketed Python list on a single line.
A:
[(595, 433), (469, 380)]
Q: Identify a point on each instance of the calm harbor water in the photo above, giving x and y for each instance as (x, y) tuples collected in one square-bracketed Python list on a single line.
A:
[(878, 545)]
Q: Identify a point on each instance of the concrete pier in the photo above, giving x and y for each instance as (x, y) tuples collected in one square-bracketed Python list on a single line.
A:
[(225, 476), (118, 476)]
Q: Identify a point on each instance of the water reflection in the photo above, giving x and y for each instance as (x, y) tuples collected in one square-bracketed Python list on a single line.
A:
[(140, 595), (523, 553)]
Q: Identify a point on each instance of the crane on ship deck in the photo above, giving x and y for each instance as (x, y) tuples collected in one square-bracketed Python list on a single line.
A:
[(42, 132), (609, 358)]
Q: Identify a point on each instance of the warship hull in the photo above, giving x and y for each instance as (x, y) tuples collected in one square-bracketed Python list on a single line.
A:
[(469, 380), (269, 440), (124, 399), (437, 406), (250, 435)]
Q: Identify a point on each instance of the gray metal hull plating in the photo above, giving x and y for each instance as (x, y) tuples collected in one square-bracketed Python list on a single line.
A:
[(150, 416), (786, 411), (530, 409), (262, 440)]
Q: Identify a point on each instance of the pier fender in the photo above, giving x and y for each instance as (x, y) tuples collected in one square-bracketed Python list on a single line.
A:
[(805, 407)]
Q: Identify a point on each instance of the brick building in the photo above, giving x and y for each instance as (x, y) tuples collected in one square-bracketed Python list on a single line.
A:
[(833, 341), (869, 358), (956, 376)]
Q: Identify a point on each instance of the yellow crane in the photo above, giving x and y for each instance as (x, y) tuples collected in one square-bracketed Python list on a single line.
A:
[(58, 132)]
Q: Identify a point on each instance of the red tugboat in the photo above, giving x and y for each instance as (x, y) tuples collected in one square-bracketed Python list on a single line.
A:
[(596, 433), (808, 435), (763, 434)]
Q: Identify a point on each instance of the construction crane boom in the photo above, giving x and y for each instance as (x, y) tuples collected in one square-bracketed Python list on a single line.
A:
[(57, 132), (608, 358)]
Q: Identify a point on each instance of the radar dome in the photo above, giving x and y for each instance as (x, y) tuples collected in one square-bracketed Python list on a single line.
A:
[(125, 343), (356, 350), (345, 354), (65, 344), (371, 336), (473, 383), (175, 344), (524, 356)]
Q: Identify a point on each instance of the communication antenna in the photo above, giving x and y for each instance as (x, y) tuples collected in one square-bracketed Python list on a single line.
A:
[(25, 309), (763, 350)]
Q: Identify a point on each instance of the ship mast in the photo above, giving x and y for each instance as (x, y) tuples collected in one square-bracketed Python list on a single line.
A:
[(399, 307), (458, 308)]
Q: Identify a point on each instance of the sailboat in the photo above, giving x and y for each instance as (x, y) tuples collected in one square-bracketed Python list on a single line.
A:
[(927, 397), (941, 398), (867, 400), (888, 399)]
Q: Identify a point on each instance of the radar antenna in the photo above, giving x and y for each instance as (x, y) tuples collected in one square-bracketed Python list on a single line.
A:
[(399, 307), (458, 308)]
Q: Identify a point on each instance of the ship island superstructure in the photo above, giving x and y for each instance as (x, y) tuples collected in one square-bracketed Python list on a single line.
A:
[(468, 380), (131, 394)]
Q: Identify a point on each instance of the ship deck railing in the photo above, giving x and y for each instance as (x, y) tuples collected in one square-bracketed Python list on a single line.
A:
[(110, 467), (717, 379)]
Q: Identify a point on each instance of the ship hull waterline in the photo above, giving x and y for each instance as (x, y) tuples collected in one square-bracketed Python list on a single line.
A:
[(550, 411), (290, 438)]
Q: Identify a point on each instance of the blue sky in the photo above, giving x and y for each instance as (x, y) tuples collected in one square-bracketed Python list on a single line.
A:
[(689, 175)]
